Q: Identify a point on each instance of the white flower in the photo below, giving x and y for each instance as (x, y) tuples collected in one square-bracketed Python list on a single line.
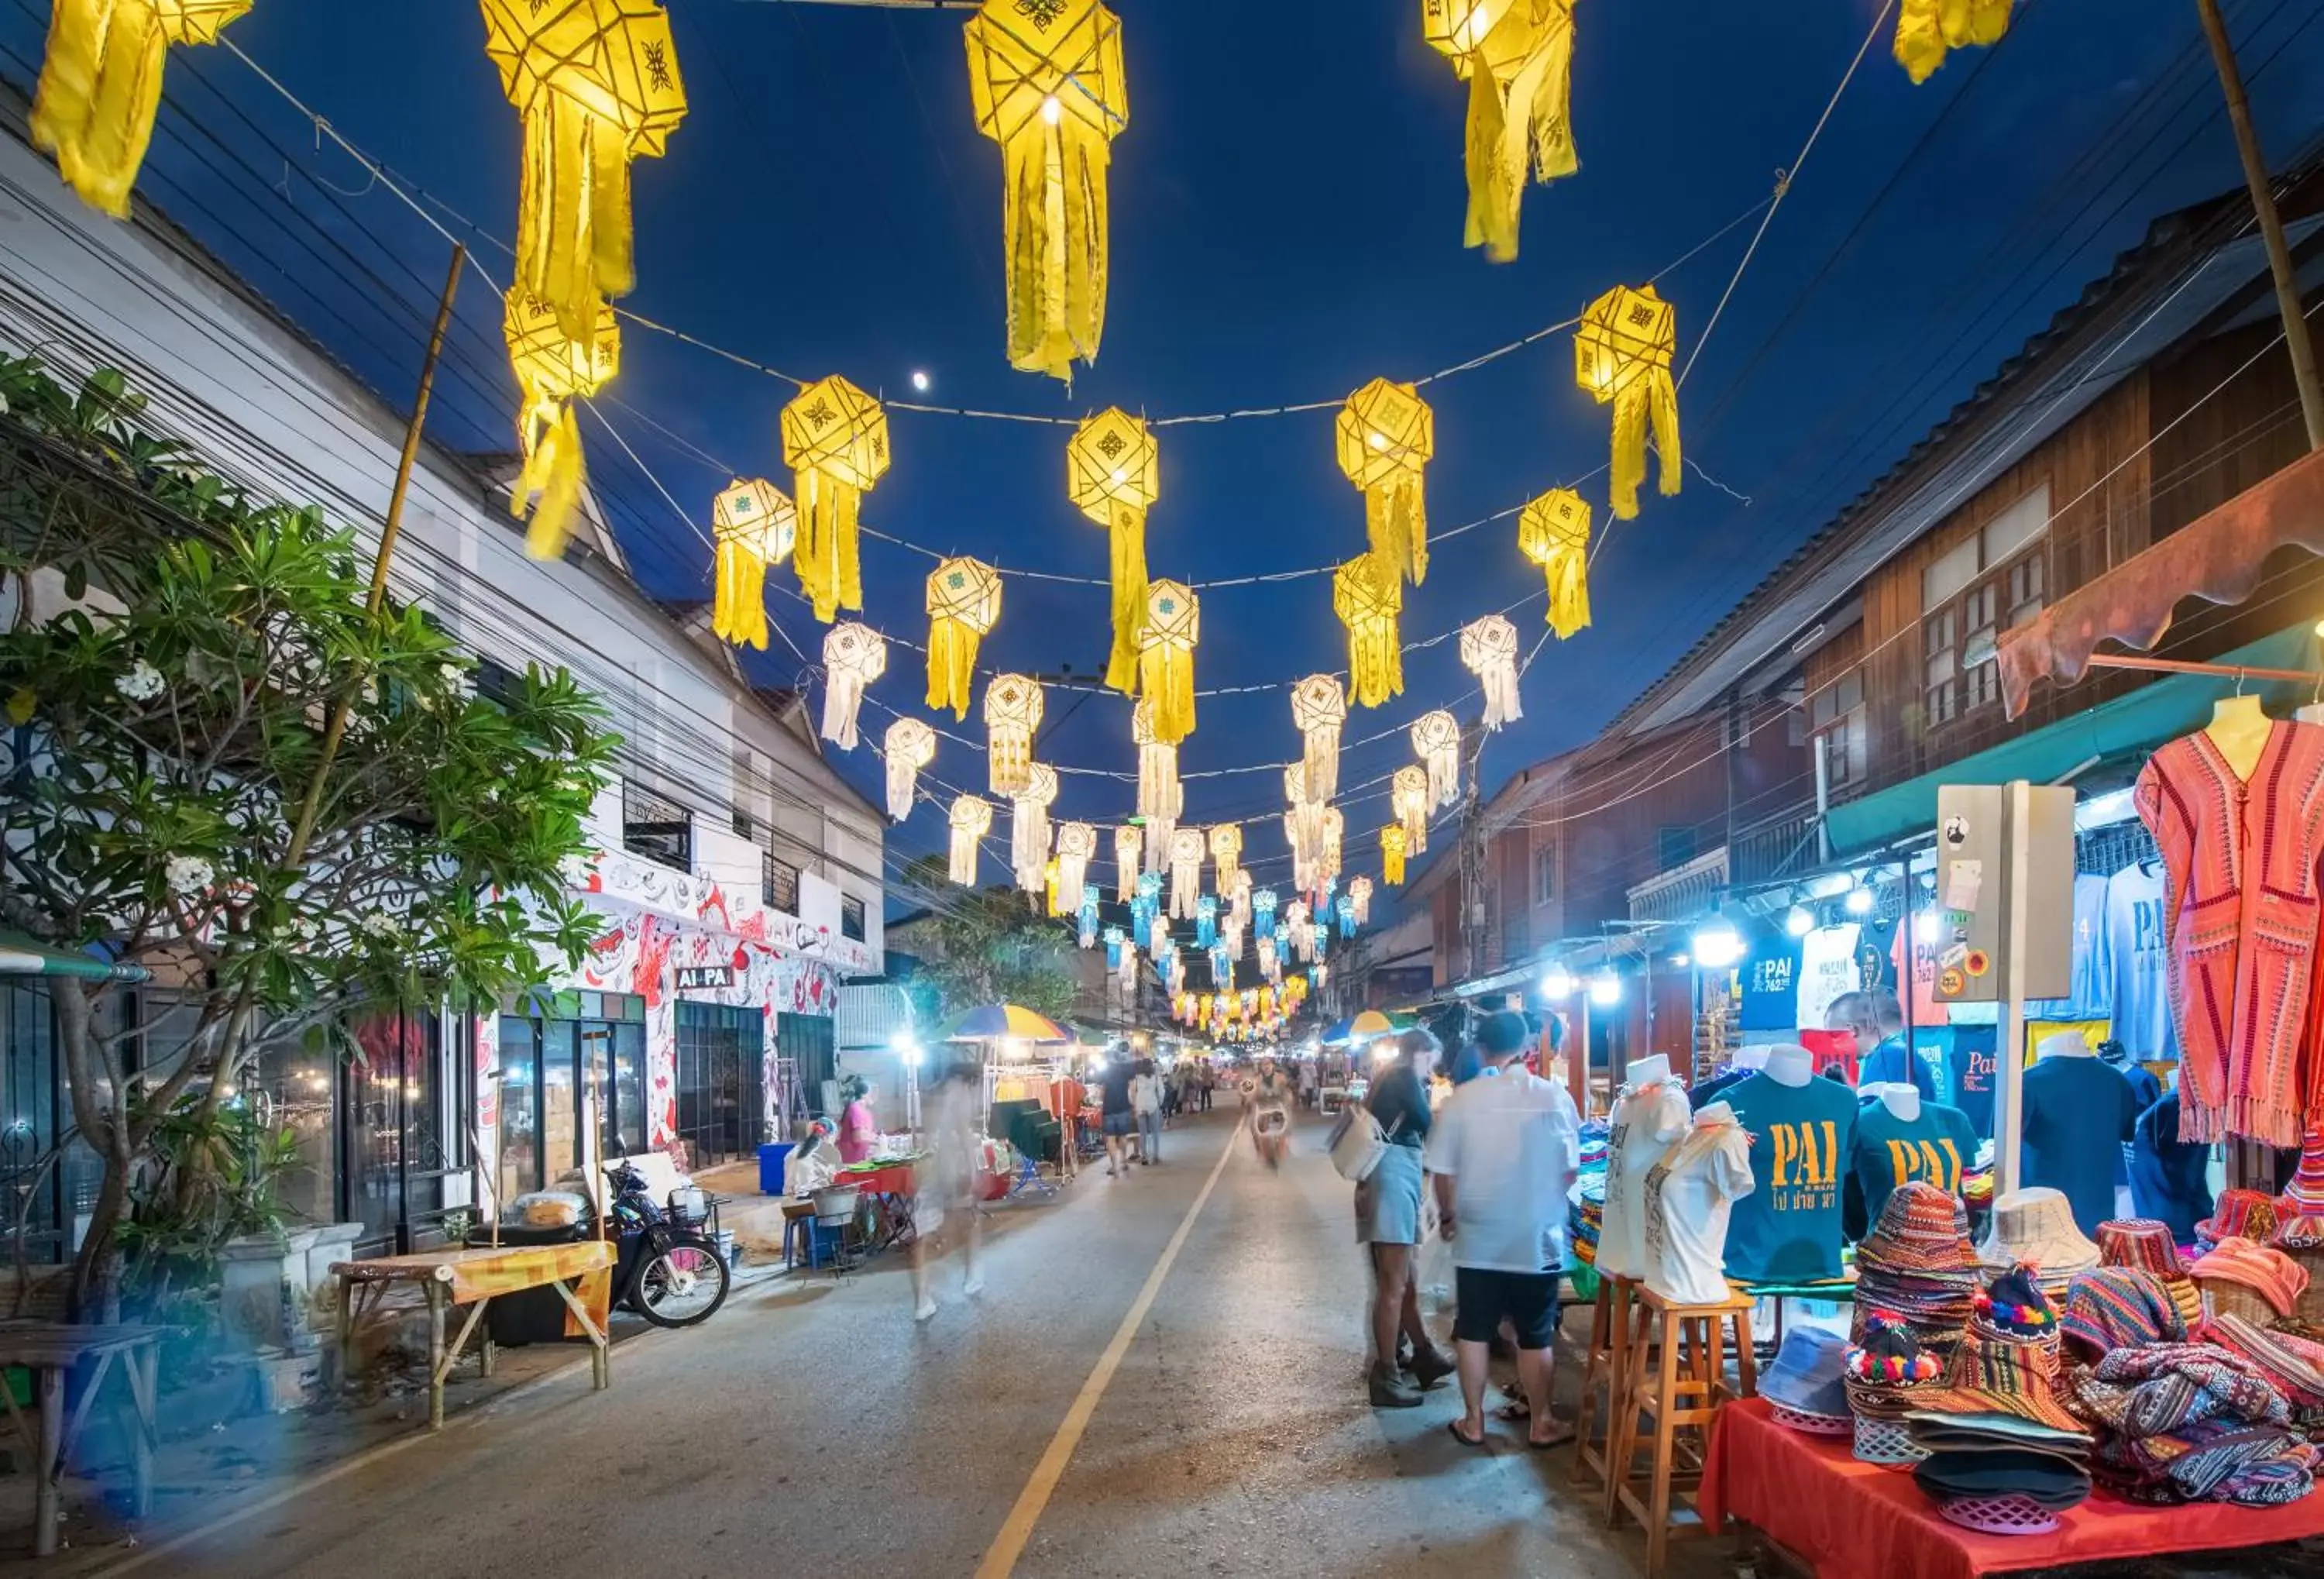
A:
[(188, 875), (142, 683), (380, 924)]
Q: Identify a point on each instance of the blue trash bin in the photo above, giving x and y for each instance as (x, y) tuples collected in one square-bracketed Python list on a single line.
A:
[(771, 1157)]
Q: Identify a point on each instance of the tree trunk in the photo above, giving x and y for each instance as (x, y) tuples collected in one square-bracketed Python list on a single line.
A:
[(100, 1101)]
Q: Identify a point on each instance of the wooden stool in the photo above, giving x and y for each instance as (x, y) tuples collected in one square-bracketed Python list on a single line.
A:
[(1610, 1327), (1679, 1388)]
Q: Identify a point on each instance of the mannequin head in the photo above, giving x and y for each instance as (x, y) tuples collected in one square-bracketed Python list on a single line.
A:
[(2067, 1044), (1902, 1099), (1790, 1064)]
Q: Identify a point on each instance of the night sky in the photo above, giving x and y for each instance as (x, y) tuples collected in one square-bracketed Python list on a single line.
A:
[(1287, 206)]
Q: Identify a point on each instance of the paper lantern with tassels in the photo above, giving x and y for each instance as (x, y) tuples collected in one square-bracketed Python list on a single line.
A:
[(553, 369), (1113, 470), (1303, 871), (1488, 650), (1207, 921), (1271, 959), (964, 605), (1160, 797), (1387, 436), (1518, 57), (1368, 597), (1301, 928), (1129, 853), (1553, 533), (835, 442), (596, 84), (1319, 707), (910, 746), (1393, 850), (1165, 657), (1046, 79), (754, 527), (1335, 835), (1622, 355), (1237, 896), (1436, 740), (1087, 915), (101, 83), (970, 820), (1185, 872), (1226, 851), (1028, 825), (1262, 910), (1304, 824), (1927, 29), (1128, 974), (1012, 712), (1359, 892), (1076, 848), (853, 656), (1410, 799)]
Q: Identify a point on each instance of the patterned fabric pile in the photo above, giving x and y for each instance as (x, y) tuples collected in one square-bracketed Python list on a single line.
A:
[(1917, 1266)]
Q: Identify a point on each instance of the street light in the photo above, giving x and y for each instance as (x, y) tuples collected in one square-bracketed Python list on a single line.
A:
[(1860, 901), (1718, 946), (1557, 986), (1605, 989), (1799, 921)]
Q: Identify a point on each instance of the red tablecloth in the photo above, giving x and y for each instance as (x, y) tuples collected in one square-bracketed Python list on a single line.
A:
[(895, 1179), (1847, 1518)]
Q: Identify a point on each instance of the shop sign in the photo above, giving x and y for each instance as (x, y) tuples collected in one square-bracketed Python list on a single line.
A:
[(705, 978)]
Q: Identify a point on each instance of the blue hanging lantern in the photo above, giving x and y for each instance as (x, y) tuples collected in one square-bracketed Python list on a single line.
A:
[(1344, 907), (1113, 941), (1262, 915), (1207, 921), (1088, 917), (1322, 938)]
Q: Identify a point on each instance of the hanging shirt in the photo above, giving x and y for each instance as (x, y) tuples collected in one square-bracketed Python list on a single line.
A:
[(1788, 1228), (2092, 994), (1645, 1122), (1931, 1148), (1770, 986), (2078, 1111), (1971, 1069), (1827, 969), (1688, 1198), (2136, 955), (1923, 1005), (2169, 1180)]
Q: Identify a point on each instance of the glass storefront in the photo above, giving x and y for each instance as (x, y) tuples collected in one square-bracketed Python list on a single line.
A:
[(560, 1052), (721, 1081)]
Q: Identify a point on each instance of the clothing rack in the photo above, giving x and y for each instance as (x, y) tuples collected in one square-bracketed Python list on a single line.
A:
[(2180, 665)]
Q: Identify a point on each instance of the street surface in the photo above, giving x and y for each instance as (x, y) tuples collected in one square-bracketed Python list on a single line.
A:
[(811, 1428)]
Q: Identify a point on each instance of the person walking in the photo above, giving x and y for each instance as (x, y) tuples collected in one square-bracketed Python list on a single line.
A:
[(1115, 1116), (1146, 1105), (1388, 1221), (1505, 1148), (1210, 1085), (946, 1202)]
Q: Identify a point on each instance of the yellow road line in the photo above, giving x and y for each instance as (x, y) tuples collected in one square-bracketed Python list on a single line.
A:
[(1000, 1558)]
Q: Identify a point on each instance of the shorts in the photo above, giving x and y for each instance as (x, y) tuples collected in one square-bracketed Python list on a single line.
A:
[(1121, 1125), (1527, 1299), (1387, 1203)]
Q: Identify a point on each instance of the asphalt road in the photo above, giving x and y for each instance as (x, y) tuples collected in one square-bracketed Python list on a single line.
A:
[(812, 1428)]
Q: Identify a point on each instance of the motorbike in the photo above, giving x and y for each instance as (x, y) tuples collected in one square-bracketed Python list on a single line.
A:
[(1271, 1129), (668, 1268)]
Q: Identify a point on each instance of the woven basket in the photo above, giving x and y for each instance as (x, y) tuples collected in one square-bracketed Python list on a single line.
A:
[(2309, 1309), (2005, 1515), (1800, 1420), (1887, 1442), (2223, 1297)]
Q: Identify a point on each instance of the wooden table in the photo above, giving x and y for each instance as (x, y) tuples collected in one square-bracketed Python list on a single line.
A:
[(50, 1351), (473, 1278)]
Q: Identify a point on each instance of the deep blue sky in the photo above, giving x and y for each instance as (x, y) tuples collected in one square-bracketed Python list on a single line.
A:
[(1287, 206)]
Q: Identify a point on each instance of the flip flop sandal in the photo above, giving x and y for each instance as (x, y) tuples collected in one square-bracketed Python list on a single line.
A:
[(1566, 1439), (1454, 1427), (1515, 1409)]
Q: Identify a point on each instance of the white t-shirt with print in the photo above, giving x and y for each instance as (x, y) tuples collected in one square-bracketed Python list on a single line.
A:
[(1513, 1142), (1646, 1123), (1688, 1196), (1827, 969)]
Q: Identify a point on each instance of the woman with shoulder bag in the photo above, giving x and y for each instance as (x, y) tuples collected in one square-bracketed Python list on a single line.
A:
[(1388, 1219)]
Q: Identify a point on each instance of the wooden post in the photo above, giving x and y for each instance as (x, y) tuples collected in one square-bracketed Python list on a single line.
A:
[(50, 1381), (2271, 223), (437, 1291)]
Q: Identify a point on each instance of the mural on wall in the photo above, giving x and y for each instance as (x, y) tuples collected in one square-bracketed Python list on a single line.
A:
[(701, 901)]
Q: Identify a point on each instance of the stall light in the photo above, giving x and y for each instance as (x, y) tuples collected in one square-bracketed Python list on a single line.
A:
[(1927, 927), (1799, 921), (1860, 901), (908, 1047), (1558, 985), (1679, 961), (1605, 989), (1718, 946)]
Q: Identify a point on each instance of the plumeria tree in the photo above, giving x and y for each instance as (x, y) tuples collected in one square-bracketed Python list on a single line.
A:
[(168, 736), (990, 947)]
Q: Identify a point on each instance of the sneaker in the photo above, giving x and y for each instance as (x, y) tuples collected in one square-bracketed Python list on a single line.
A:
[(1430, 1367), (974, 1285), (928, 1308), (1391, 1392)]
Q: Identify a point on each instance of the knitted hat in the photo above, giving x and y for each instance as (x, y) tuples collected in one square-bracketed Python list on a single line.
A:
[(2116, 1306), (2012, 1305), (2036, 1226), (2239, 1215), (2274, 1275), (1807, 1375), (1888, 1356), (2300, 1210), (2003, 1386), (1921, 1228), (2141, 1243)]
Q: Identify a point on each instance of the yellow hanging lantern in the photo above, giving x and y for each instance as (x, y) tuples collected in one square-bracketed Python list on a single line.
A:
[(101, 83), (1046, 79), (1409, 797), (552, 370), (964, 605), (1185, 872), (1387, 438), (1129, 860), (908, 746), (1518, 57), (1622, 355), (1165, 658), (1012, 712), (596, 83), (1226, 852), (1392, 855), (1553, 533), (853, 656), (1076, 848), (1161, 795), (835, 439), (1319, 707), (970, 820), (1927, 29), (1028, 826), (754, 527), (1436, 742), (1113, 470), (1368, 597), (1488, 650)]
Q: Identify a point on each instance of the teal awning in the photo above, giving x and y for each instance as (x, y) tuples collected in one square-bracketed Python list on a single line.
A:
[(23, 957), (2169, 707)]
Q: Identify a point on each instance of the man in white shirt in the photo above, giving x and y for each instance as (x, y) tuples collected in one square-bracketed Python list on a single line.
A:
[(1504, 1150)]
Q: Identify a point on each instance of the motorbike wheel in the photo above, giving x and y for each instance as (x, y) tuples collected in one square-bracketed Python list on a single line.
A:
[(682, 1284)]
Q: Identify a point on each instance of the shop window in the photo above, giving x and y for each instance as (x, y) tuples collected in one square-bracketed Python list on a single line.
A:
[(1544, 876), (1981, 586), (781, 885), (656, 828), (1836, 724), (850, 918), (721, 1080), (1674, 846), (746, 827)]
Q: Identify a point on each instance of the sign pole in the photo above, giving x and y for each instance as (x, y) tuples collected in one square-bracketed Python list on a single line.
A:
[(2009, 1057)]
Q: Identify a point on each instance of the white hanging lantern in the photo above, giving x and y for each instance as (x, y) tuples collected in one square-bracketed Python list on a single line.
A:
[(1128, 843), (1327, 859), (1161, 795), (853, 656), (1185, 872), (1226, 852), (1360, 891), (1029, 826), (1012, 713), (1302, 927), (971, 819), (910, 746), (1436, 740), (1319, 706), (1077, 843), (1238, 894), (1408, 798), (1488, 650)]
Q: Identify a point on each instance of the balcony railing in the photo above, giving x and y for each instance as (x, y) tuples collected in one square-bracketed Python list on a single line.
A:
[(1782, 845), (1682, 891)]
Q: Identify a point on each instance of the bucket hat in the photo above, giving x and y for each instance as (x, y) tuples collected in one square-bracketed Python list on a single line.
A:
[(2300, 1210), (2036, 1226), (2002, 1388), (2275, 1276), (2145, 1245), (2116, 1307), (2239, 1215), (1921, 1228), (1808, 1375)]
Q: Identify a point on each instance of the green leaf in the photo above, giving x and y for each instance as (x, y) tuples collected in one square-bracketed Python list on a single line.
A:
[(21, 702)]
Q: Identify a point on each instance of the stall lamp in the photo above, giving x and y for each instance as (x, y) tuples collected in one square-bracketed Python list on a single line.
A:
[(1605, 989), (1927, 927), (1679, 961), (1558, 985), (1718, 946), (1860, 901), (1800, 921)]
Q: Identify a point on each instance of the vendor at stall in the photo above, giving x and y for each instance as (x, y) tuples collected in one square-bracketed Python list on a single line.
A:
[(812, 1161), (859, 1131)]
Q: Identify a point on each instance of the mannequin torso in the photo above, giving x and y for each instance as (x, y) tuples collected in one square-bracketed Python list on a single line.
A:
[(1903, 1100), (1651, 1070), (1792, 1067), (2239, 728)]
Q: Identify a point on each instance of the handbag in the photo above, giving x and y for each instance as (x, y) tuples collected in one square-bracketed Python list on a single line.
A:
[(1357, 1143)]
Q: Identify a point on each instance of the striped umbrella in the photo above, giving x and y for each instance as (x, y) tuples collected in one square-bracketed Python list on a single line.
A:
[(1006, 1019)]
